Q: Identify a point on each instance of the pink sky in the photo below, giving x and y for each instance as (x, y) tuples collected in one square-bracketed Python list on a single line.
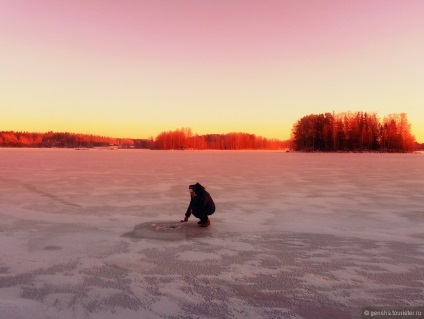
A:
[(136, 68)]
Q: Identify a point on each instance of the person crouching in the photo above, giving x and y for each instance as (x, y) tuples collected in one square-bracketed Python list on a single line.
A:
[(201, 205)]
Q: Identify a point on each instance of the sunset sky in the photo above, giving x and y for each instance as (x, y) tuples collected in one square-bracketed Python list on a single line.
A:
[(134, 68)]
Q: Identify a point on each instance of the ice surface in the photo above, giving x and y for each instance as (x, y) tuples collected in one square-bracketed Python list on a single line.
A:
[(96, 234)]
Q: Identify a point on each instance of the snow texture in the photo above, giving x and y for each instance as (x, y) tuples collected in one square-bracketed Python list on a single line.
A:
[(96, 234)]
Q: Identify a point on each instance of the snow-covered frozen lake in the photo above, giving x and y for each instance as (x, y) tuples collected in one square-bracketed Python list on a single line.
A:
[(84, 234)]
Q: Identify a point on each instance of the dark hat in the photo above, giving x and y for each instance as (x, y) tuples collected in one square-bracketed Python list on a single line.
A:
[(197, 188)]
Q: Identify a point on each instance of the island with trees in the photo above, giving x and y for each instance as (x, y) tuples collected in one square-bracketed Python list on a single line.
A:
[(358, 131)]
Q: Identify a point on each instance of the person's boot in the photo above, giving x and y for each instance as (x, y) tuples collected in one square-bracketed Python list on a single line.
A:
[(206, 223)]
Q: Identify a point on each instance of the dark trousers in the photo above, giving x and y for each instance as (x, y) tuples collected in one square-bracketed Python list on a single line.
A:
[(202, 215)]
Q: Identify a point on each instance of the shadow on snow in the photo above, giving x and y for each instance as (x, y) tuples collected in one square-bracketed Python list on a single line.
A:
[(168, 231)]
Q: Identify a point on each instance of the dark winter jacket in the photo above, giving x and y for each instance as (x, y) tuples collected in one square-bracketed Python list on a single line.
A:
[(202, 202)]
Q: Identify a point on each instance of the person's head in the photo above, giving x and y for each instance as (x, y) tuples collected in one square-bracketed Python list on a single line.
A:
[(196, 189)]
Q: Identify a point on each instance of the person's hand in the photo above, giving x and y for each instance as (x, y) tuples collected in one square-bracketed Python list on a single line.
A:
[(184, 220)]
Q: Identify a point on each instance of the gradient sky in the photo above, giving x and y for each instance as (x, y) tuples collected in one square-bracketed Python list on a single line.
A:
[(136, 68)]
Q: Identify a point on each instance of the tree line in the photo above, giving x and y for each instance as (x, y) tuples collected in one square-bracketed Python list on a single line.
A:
[(185, 139), (59, 139), (328, 132), (179, 139), (349, 131)]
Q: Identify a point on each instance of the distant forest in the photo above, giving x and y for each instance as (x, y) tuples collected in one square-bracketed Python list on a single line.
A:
[(185, 139), (180, 139), (358, 131), (327, 132), (54, 139)]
